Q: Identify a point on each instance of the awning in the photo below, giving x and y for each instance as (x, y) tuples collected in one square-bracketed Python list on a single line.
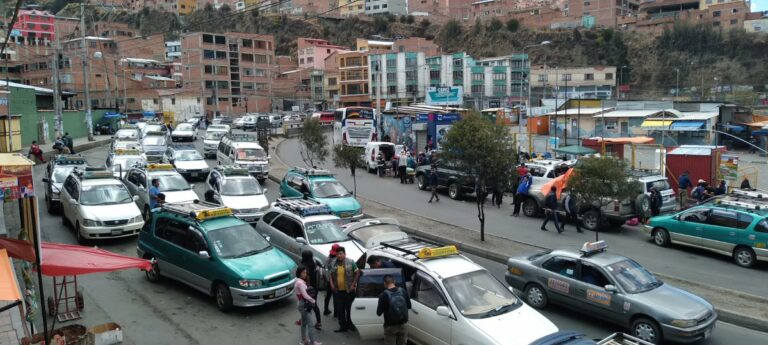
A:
[(149, 114), (9, 289), (627, 140), (577, 150), (69, 260), (650, 124), (687, 125)]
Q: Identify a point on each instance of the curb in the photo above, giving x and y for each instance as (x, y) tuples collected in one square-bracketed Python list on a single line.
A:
[(79, 148), (725, 315)]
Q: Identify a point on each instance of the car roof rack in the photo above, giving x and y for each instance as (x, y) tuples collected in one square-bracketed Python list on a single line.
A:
[(93, 173), (750, 193), (232, 170), (243, 138), (746, 204), (303, 207), (70, 159), (158, 167), (127, 152), (198, 210), (312, 172), (420, 248)]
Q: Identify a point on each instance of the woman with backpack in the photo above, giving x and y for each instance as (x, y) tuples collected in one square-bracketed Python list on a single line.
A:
[(306, 305)]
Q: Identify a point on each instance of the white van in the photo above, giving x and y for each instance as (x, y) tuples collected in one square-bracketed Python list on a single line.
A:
[(244, 150), (372, 150)]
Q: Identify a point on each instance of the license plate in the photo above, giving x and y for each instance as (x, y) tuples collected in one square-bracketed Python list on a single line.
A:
[(280, 292), (117, 232), (193, 174)]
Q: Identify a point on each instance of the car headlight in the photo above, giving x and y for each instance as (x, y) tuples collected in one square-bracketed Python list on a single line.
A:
[(90, 222), (683, 323), (181, 170), (136, 219), (250, 283)]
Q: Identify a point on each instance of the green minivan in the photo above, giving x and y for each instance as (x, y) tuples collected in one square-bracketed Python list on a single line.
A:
[(736, 227), (206, 247)]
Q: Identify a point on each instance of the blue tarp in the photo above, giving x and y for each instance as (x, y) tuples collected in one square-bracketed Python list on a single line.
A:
[(760, 132), (736, 128), (149, 114), (687, 125), (111, 115)]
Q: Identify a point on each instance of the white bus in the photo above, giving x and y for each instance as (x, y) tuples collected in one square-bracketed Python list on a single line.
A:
[(354, 126)]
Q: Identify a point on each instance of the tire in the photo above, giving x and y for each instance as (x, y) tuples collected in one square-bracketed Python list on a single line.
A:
[(591, 220), (79, 236), (744, 257), (643, 205), (660, 237), (536, 296), (646, 329), (454, 191), (370, 171), (223, 297), (422, 182), (530, 207), (262, 180), (153, 275)]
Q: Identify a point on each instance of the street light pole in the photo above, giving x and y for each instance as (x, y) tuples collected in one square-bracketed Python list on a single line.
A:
[(88, 118)]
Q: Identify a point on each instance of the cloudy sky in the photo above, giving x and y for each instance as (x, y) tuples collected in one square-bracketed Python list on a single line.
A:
[(759, 5)]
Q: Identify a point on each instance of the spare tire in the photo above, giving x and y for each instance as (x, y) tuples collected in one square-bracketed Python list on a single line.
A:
[(643, 205)]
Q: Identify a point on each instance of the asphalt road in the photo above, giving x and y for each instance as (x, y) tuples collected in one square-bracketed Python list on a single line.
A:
[(686, 263), (171, 313)]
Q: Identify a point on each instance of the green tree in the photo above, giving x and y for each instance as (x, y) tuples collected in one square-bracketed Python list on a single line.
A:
[(380, 24), (495, 25), (313, 145), (452, 30), (486, 152), (598, 181), (348, 157), (513, 25)]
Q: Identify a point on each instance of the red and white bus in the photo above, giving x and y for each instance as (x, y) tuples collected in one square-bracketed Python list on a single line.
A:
[(354, 126), (325, 117)]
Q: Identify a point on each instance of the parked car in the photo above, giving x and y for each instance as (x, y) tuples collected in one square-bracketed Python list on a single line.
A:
[(448, 176), (153, 147), (614, 288), (322, 186), (204, 246), (372, 150), (370, 233), (176, 189)]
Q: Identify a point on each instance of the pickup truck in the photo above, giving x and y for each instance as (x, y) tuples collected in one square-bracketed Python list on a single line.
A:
[(448, 176)]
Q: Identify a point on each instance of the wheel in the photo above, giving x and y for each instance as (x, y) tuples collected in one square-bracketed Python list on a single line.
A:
[(660, 237), (536, 296), (79, 301), (422, 182), (453, 191), (223, 297), (744, 256), (153, 275), (647, 329), (591, 220), (530, 207), (79, 236), (51, 306), (262, 180), (370, 171), (147, 212)]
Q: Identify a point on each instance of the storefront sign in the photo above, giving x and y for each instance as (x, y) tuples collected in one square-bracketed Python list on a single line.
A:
[(445, 95), (16, 182)]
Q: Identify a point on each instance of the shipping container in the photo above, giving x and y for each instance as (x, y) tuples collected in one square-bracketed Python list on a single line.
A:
[(701, 162)]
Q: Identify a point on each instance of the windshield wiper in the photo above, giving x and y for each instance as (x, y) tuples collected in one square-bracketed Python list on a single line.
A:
[(498, 310), (250, 252)]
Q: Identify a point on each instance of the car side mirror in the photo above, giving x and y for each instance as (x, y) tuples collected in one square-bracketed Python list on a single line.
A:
[(135, 198), (444, 311), (266, 190), (203, 254), (611, 288), (266, 237), (141, 188), (676, 217), (46, 180), (301, 240)]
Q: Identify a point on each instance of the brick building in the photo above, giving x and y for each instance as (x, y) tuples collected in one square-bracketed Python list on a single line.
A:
[(353, 78), (416, 44), (312, 52), (351, 8)]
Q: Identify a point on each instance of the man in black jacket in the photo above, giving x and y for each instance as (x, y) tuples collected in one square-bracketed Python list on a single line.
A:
[(550, 209), (395, 317), (571, 210)]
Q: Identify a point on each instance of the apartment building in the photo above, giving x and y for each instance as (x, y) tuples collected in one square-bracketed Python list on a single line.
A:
[(364, 45), (172, 50), (654, 17), (401, 76), (416, 44), (34, 27), (181, 7), (353, 78), (756, 22), (394, 7), (331, 85), (312, 52), (595, 82), (232, 71), (351, 8)]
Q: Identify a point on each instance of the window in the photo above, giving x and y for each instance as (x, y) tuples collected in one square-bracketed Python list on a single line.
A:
[(269, 217), (477, 88), (331, 81), (565, 77), (518, 76), (542, 77), (435, 75), (458, 74), (592, 275), (249, 58), (499, 89), (288, 226), (427, 291), (410, 62), (722, 218), (561, 265), (208, 69), (734, 10), (207, 38), (762, 226), (222, 84), (178, 233), (411, 89), (715, 23), (499, 76), (715, 13), (609, 76), (173, 101), (478, 76), (221, 55), (586, 3), (247, 43), (410, 75), (458, 62), (589, 76), (258, 58), (734, 21), (392, 90), (220, 39), (743, 220), (391, 77)]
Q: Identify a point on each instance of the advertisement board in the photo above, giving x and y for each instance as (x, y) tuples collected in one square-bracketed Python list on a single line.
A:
[(445, 95)]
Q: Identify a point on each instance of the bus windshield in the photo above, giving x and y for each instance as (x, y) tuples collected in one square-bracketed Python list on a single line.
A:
[(358, 113)]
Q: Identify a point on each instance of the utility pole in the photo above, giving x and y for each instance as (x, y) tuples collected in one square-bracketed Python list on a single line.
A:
[(8, 96), (378, 84), (58, 124), (88, 118)]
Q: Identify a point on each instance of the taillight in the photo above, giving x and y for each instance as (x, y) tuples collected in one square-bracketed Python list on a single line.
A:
[(373, 158), (616, 206), (375, 137), (344, 138)]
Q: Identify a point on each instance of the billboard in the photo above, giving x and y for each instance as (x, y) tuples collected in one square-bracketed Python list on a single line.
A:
[(445, 95)]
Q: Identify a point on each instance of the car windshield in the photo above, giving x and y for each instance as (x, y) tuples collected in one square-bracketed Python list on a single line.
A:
[(184, 127), (251, 154), (366, 114), (153, 141), (632, 277), (153, 128), (172, 183), (479, 295), (214, 135), (60, 173), (125, 163), (129, 145), (105, 195), (217, 127), (241, 186), (237, 241), (325, 232), (126, 133), (329, 189), (660, 185), (187, 155), (367, 233)]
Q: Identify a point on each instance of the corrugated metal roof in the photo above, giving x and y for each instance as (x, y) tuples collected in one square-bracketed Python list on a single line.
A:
[(582, 111), (629, 113)]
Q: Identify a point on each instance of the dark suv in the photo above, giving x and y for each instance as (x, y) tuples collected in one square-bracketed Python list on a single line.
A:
[(448, 176)]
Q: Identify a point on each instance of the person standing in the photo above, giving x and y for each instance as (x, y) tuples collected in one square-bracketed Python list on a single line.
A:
[(683, 184), (571, 210), (344, 276), (522, 170), (394, 304), (306, 304), (154, 190), (402, 164), (721, 189), (330, 262), (550, 209), (68, 142), (656, 202), (432, 179), (380, 164), (308, 261), (497, 195), (522, 192)]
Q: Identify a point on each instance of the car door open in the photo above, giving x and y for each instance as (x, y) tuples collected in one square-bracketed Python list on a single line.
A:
[(369, 287)]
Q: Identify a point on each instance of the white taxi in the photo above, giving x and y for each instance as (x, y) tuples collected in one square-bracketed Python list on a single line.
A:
[(172, 184), (99, 206), (121, 160), (454, 300), (235, 188)]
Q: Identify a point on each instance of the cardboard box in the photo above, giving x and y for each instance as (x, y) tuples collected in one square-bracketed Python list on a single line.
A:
[(105, 334)]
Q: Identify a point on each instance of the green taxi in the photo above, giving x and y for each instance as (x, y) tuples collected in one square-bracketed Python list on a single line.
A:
[(735, 225), (323, 187), (206, 247)]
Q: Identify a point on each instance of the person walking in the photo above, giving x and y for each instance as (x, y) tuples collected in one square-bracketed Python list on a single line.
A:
[(344, 277), (683, 184), (550, 209), (154, 190), (656, 202), (306, 304), (432, 180), (571, 210), (497, 195), (394, 304), (60, 147), (36, 151), (402, 165), (308, 261), (330, 262), (521, 192), (68, 142)]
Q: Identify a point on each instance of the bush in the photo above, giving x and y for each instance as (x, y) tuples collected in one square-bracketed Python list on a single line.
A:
[(494, 25), (513, 25)]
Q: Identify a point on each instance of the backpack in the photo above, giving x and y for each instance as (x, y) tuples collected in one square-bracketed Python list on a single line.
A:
[(397, 313)]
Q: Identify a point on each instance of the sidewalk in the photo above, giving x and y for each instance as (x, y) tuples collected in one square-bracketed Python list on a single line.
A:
[(11, 328), (734, 307), (79, 144)]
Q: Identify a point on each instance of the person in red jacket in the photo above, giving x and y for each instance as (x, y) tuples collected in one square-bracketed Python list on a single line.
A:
[(35, 150)]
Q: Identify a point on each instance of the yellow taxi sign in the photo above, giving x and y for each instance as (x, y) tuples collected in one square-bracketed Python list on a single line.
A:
[(213, 213), (159, 167), (426, 253), (127, 152)]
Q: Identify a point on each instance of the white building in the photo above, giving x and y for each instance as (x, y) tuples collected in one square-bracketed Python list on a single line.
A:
[(396, 7), (172, 50), (402, 75)]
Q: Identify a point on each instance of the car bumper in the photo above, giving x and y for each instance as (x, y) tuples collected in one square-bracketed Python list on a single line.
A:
[(118, 231), (193, 174), (154, 159), (348, 216), (761, 253), (260, 174), (514, 281), (689, 335), (648, 229), (249, 217), (210, 150), (253, 298), (181, 137)]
